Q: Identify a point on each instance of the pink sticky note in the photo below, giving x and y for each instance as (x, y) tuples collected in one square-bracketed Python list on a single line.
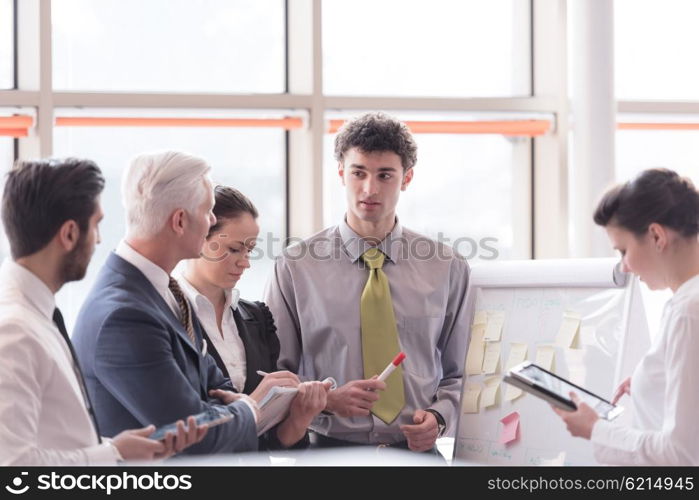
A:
[(510, 428)]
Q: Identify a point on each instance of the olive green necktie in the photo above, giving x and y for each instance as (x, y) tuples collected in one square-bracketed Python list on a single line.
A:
[(380, 337)]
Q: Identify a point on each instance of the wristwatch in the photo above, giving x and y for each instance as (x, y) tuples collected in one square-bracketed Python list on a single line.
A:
[(441, 424)]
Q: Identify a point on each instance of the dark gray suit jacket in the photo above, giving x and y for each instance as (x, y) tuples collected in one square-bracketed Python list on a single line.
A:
[(141, 368)]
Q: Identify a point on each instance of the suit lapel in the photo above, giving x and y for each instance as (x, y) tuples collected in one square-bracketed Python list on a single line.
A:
[(203, 375), (142, 284), (249, 331)]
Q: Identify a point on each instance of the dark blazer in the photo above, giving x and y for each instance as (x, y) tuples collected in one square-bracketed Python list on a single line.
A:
[(258, 332), (140, 366), (259, 335)]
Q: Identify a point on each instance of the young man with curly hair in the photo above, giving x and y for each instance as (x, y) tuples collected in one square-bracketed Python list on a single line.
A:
[(351, 297)]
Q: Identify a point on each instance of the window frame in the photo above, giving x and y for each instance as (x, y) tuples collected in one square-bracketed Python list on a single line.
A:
[(544, 231)]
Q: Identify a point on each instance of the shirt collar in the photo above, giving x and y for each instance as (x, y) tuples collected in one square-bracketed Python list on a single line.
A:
[(198, 299), (35, 290), (153, 272), (355, 245), (686, 288)]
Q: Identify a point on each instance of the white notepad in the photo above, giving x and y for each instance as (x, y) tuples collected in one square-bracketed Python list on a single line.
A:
[(274, 407)]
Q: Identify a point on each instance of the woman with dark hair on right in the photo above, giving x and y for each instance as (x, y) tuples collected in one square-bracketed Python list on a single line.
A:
[(653, 221)]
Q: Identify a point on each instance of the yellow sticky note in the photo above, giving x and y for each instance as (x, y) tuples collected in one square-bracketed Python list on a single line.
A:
[(491, 358), (545, 355), (518, 353), (476, 348), (494, 329), (471, 394), (480, 318), (569, 329), (512, 393), (489, 396)]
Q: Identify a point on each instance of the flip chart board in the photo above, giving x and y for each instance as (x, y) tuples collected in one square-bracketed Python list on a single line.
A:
[(581, 318)]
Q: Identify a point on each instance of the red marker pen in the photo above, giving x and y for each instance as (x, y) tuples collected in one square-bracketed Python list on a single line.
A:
[(392, 366)]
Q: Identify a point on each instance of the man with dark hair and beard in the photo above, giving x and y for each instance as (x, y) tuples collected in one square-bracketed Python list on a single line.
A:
[(51, 212)]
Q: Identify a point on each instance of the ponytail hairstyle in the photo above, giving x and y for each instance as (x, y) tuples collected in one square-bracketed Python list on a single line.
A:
[(656, 195), (230, 203)]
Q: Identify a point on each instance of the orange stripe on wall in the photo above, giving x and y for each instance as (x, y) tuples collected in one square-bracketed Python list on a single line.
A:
[(657, 126), (86, 121), (18, 121), (15, 126), (527, 128), (14, 132)]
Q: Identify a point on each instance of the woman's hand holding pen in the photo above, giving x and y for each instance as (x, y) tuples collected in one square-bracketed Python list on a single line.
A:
[(282, 379)]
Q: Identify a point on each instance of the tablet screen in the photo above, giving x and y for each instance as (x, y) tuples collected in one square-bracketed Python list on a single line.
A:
[(563, 388), (213, 416)]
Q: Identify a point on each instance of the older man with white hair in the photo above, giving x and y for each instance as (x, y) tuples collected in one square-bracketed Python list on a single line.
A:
[(144, 357)]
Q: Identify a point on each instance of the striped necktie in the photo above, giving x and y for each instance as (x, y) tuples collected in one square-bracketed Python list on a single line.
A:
[(185, 309)]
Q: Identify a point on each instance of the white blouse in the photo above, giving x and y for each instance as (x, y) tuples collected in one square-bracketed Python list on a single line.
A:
[(229, 345), (664, 393)]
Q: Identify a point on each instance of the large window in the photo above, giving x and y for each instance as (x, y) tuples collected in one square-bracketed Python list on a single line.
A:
[(465, 48), (252, 160), (675, 149), (7, 46), (185, 62), (169, 45), (655, 45), (653, 41), (451, 198)]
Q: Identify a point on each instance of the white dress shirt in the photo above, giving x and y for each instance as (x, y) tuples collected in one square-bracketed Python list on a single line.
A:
[(227, 341), (43, 417), (664, 394), (155, 274)]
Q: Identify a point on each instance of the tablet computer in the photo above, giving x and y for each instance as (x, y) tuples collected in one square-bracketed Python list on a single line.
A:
[(554, 389), (212, 417)]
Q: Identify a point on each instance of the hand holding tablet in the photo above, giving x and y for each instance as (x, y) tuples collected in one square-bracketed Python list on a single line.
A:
[(556, 390), (211, 418)]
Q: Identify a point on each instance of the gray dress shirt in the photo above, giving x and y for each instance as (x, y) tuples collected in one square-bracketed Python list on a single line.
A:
[(314, 295)]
